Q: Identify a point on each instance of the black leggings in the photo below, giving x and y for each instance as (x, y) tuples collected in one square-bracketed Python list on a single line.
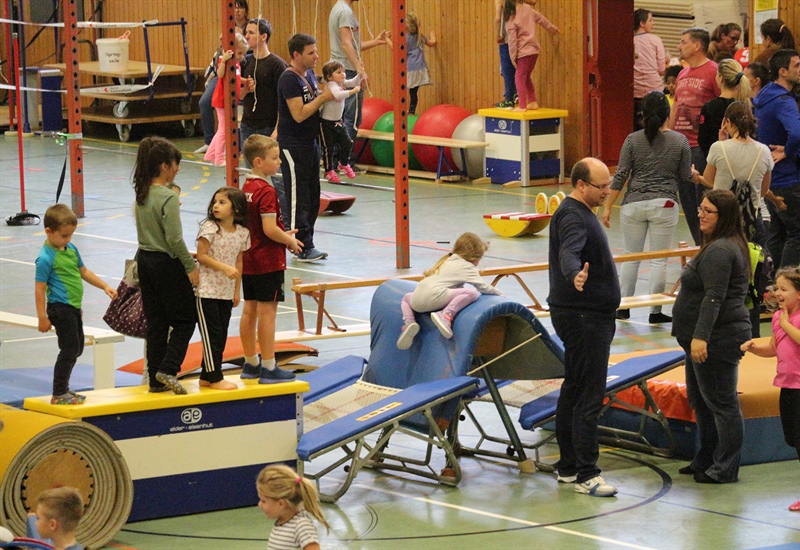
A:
[(412, 106)]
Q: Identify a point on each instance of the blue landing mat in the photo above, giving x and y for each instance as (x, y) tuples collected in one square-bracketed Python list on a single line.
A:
[(17, 384)]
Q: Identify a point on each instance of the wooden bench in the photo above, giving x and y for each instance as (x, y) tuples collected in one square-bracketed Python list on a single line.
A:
[(316, 291), (461, 144), (103, 341)]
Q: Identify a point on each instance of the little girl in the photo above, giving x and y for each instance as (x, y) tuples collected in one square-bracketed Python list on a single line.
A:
[(785, 344), (216, 149), (221, 242), (291, 501), (334, 132), (442, 290), (417, 67), (523, 47)]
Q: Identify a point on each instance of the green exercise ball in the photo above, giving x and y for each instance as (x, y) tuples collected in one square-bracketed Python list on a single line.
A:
[(383, 151)]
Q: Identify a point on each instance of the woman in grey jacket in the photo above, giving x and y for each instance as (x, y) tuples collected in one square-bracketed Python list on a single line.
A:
[(711, 322)]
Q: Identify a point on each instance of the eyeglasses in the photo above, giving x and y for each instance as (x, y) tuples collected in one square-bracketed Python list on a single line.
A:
[(703, 210), (600, 187)]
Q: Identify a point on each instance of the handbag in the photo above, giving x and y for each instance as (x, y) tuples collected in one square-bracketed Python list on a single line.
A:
[(125, 314)]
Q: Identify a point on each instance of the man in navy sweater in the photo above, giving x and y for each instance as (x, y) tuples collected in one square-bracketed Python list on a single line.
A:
[(584, 297)]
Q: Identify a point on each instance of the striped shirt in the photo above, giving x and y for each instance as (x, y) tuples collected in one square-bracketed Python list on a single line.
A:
[(653, 171), (295, 534)]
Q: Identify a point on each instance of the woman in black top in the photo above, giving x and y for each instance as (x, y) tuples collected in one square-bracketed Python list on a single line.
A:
[(711, 322), (734, 86)]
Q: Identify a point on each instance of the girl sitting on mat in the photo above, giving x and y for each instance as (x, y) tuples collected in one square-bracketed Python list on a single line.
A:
[(442, 290), (291, 500), (221, 242), (785, 344)]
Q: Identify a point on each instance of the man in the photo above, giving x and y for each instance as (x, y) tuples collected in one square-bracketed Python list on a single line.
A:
[(584, 297), (299, 100), (696, 85), (346, 48), (779, 128)]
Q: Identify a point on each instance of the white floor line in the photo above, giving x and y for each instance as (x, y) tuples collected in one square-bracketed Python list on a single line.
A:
[(505, 518)]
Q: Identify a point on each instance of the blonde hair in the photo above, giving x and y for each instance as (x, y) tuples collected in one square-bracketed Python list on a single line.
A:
[(469, 246), (63, 504), (279, 482), (257, 146), (412, 23), (733, 79)]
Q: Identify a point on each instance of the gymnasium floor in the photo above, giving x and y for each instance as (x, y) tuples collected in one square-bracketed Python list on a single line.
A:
[(494, 506)]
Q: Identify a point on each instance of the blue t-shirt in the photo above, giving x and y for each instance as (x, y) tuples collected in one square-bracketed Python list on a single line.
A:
[(290, 132), (61, 270)]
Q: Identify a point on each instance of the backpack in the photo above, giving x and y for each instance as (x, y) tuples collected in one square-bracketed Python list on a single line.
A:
[(743, 192), (762, 274)]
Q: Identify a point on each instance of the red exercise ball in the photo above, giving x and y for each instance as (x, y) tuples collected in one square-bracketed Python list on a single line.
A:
[(438, 121), (371, 111)]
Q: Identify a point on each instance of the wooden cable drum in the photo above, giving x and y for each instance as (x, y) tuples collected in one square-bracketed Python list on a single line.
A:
[(40, 451)]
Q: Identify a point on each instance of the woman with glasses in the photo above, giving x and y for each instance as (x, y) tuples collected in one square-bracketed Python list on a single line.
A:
[(711, 322), (652, 162)]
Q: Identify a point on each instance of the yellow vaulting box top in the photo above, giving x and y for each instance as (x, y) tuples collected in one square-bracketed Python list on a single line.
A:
[(137, 398), (538, 114)]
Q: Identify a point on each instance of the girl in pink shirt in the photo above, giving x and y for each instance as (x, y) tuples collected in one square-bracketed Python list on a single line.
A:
[(216, 149), (523, 47), (785, 344)]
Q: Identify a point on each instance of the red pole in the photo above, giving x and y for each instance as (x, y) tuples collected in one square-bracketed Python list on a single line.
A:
[(400, 135), (12, 77), (15, 47), (73, 87), (231, 95)]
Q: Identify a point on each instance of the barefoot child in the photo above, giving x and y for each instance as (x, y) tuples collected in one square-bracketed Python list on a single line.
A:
[(221, 243), (785, 344), (59, 291), (442, 290), (264, 262), (58, 512), (291, 501)]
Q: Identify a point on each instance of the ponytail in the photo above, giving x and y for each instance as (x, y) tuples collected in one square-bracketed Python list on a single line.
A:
[(153, 152), (655, 112), (279, 482)]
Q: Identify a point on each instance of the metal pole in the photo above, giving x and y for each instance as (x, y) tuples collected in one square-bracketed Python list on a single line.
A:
[(20, 150), (230, 93), (400, 135), (26, 126), (72, 85)]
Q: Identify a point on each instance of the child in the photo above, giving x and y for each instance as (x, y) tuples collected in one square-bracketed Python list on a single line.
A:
[(264, 262), (442, 290), (334, 132), (785, 344), (291, 501), (417, 67), (58, 512), (216, 149), (59, 291), (221, 242), (670, 82), (523, 47)]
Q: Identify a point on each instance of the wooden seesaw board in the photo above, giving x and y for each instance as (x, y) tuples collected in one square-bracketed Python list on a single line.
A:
[(516, 224)]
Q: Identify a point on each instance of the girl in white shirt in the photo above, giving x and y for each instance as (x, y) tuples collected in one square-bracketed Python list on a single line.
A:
[(336, 144)]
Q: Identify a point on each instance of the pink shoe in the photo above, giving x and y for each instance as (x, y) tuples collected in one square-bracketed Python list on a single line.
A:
[(331, 176), (349, 172), (795, 507)]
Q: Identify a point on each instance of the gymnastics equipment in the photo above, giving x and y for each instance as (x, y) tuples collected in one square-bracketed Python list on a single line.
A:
[(335, 203), (545, 205), (371, 110), (383, 151), (43, 451), (516, 224), (439, 121), (416, 391), (471, 128)]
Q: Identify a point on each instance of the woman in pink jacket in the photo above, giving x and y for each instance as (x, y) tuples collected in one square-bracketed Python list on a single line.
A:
[(521, 20)]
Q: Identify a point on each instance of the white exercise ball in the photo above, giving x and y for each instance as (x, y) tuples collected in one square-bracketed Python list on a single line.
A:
[(472, 129)]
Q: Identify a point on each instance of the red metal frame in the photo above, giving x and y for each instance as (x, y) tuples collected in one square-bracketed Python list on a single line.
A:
[(229, 91), (72, 85), (400, 100)]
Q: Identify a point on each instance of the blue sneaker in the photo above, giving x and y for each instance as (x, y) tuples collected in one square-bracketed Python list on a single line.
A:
[(275, 376), (251, 372), (311, 255)]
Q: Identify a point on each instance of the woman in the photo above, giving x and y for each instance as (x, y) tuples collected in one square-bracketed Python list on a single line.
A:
[(775, 36), (652, 161), (649, 61), (711, 322), (167, 271), (733, 87)]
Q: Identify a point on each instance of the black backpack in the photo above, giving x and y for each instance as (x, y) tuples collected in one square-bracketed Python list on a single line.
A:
[(743, 192)]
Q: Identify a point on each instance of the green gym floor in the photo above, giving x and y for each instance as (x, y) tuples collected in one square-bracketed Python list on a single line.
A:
[(494, 506)]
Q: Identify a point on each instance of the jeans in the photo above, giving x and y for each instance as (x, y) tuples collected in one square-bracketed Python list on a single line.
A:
[(352, 116), (711, 389), (245, 131), (658, 218), (207, 111), (507, 70), (783, 240), (587, 342), (68, 321), (691, 195)]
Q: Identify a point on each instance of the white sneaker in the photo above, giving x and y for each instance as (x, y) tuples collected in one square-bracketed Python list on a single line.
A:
[(407, 335), (202, 149), (596, 487), (567, 479)]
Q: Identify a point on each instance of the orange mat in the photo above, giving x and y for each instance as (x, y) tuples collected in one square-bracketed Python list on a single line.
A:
[(757, 396), (284, 353)]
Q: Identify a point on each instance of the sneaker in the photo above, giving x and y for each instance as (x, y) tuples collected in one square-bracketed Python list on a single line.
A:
[(201, 150), (275, 376), (349, 172), (342, 168), (442, 323), (623, 314), (311, 255), (157, 389), (656, 318), (795, 507), (251, 372), (67, 399), (505, 105), (171, 382), (567, 479), (407, 335), (331, 176), (596, 487)]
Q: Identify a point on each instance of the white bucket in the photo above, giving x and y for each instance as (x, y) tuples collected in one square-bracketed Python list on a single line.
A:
[(113, 54)]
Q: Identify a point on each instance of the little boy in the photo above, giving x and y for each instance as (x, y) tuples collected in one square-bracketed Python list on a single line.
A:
[(58, 512), (59, 270), (264, 262)]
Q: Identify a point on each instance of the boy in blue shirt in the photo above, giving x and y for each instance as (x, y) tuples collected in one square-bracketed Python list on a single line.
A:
[(59, 275), (58, 512)]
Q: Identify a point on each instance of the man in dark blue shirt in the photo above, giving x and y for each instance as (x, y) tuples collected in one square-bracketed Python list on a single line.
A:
[(584, 297)]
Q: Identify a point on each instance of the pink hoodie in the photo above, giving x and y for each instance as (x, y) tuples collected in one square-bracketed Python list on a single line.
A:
[(521, 30)]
